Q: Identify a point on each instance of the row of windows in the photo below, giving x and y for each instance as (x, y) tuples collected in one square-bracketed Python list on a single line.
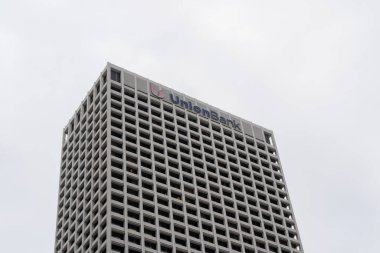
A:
[(194, 237), (86, 131), (134, 241), (134, 229), (96, 94), (202, 189), (190, 200), (83, 175), (130, 131), (197, 148), (174, 157), (167, 114), (199, 167), (129, 100), (212, 179), (194, 129)]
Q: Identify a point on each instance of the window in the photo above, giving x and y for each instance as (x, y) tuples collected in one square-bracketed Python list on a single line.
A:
[(134, 227), (195, 246), (164, 224), (150, 244), (165, 237), (117, 248), (150, 220), (180, 241), (150, 232), (166, 249), (115, 75), (268, 138), (104, 77), (134, 239)]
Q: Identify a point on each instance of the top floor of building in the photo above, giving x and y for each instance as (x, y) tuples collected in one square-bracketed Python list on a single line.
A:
[(115, 74)]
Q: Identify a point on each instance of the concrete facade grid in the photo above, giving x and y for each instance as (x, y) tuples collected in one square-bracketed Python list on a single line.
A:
[(140, 174)]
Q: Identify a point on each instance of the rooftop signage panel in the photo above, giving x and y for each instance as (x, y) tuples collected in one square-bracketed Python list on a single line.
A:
[(192, 106)]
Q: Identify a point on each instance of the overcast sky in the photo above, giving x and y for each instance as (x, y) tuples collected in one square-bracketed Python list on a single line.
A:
[(308, 70)]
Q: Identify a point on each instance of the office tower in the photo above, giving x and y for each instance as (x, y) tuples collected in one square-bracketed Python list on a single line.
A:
[(148, 169)]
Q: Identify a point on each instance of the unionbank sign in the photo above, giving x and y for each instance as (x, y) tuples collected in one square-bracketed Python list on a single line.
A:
[(188, 105)]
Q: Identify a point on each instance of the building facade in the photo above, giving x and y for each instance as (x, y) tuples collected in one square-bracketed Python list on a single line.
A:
[(147, 169)]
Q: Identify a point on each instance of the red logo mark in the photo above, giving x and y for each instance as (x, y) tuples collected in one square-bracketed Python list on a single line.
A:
[(156, 91)]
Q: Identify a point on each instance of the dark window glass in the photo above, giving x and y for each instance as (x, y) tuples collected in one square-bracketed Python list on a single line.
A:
[(115, 75)]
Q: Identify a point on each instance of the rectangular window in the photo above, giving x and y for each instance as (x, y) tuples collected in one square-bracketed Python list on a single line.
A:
[(115, 75)]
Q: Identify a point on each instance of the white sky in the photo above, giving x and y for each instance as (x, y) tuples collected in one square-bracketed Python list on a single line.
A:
[(305, 69)]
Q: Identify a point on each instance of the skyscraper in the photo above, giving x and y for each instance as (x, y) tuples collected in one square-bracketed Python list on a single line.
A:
[(147, 169)]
